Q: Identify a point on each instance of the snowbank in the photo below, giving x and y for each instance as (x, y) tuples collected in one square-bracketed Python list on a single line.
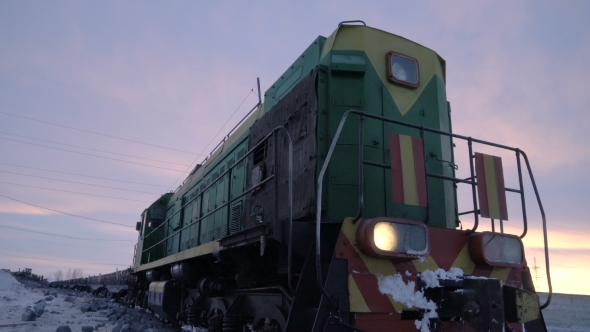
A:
[(7, 281)]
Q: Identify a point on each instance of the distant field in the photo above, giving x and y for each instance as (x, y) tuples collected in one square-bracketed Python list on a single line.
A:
[(567, 313)]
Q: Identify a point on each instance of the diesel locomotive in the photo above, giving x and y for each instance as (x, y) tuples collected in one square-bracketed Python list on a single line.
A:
[(334, 206)]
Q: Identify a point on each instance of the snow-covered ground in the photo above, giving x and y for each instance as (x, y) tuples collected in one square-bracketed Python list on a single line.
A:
[(567, 313), (63, 308)]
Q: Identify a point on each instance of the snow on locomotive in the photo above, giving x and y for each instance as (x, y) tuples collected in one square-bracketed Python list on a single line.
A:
[(333, 207)]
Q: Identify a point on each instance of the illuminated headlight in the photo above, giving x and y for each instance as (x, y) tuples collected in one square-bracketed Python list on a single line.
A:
[(496, 249), (392, 238)]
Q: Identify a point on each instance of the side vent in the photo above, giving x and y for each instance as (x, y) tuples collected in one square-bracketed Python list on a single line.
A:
[(235, 217), (239, 155)]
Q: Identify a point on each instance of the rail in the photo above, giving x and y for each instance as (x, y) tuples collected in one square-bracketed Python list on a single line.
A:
[(471, 181)]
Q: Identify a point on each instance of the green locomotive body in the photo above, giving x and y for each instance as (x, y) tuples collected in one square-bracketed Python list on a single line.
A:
[(342, 177)]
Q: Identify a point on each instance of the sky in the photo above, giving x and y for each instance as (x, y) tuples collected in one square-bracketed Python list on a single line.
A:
[(105, 105)]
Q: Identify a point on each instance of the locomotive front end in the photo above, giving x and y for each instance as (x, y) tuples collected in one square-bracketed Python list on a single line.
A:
[(447, 281)]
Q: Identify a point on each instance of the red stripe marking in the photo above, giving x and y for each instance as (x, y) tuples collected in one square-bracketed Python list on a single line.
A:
[(402, 266), (418, 148), (516, 327), (397, 177), (515, 278), (445, 245), (482, 271), (344, 249), (482, 188), (501, 188), (367, 284)]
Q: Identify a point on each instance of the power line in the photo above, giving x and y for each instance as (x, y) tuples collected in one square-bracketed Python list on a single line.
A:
[(74, 192), (88, 154), (66, 213), (82, 147), (56, 260), (220, 129), (86, 184), (95, 133), (64, 236), (25, 241), (106, 96), (31, 252), (82, 175)]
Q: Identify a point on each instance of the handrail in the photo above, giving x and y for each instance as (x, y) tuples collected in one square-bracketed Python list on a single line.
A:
[(210, 185), (545, 241), (254, 187), (471, 181)]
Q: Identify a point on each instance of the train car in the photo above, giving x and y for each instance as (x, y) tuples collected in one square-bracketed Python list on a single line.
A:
[(113, 285), (334, 206)]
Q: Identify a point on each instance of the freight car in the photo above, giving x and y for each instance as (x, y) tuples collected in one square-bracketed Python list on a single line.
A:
[(334, 206), (114, 285)]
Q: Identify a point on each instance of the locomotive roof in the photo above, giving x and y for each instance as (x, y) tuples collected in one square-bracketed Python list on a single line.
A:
[(374, 42)]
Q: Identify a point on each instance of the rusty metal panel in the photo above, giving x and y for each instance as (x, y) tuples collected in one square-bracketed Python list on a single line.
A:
[(297, 112)]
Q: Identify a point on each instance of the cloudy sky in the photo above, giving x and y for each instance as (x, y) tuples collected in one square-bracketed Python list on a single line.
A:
[(104, 105)]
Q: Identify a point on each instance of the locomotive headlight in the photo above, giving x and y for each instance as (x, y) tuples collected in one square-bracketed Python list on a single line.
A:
[(385, 236), (392, 238), (496, 249)]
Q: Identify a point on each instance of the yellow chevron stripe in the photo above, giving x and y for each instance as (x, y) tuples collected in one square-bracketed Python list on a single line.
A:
[(463, 261), (374, 265), (500, 273), (408, 170), (492, 188), (427, 264), (356, 299), (376, 43)]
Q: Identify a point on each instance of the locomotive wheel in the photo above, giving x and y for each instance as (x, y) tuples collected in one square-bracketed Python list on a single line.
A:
[(269, 318)]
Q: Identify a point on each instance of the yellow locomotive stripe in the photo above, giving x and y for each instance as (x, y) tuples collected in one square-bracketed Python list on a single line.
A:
[(382, 267), (204, 249), (408, 170), (500, 273), (492, 188), (374, 265), (463, 261), (377, 266), (427, 264), (357, 301), (376, 43)]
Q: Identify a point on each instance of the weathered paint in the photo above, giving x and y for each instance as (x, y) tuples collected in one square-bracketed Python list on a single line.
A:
[(490, 186), (448, 248)]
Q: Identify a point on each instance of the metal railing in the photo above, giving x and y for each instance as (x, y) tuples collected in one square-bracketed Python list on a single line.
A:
[(471, 181), (245, 192)]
